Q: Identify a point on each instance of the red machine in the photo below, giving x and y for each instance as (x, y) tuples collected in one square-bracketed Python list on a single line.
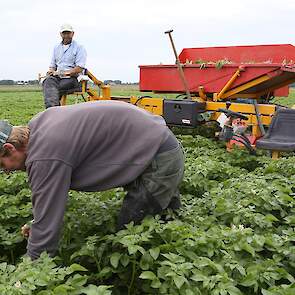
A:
[(260, 70), (238, 81)]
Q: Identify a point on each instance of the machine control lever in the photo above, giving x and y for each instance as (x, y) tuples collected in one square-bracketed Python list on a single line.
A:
[(179, 65)]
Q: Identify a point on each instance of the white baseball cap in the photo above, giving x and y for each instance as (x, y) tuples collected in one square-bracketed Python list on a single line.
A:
[(66, 28)]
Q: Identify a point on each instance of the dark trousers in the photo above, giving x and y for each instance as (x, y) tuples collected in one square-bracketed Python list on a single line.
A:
[(54, 87), (155, 189)]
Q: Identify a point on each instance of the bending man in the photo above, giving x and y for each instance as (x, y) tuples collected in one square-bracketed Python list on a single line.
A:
[(93, 146)]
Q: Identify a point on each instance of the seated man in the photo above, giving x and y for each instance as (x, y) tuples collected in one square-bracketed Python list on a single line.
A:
[(68, 61)]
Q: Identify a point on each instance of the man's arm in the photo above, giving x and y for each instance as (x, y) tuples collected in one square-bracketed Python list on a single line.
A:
[(50, 182), (73, 72), (80, 62), (52, 66), (81, 57)]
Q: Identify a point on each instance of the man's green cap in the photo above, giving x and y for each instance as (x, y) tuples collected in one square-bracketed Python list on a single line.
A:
[(5, 131)]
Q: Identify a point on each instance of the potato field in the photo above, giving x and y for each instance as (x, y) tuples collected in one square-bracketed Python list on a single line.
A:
[(234, 235)]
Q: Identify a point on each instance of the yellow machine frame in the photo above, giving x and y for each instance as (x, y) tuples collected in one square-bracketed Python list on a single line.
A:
[(212, 105), (92, 94), (155, 104)]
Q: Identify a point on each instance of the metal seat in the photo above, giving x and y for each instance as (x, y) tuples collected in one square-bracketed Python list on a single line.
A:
[(80, 90), (280, 136)]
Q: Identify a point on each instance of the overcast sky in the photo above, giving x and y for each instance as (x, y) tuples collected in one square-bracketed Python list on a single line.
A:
[(120, 35)]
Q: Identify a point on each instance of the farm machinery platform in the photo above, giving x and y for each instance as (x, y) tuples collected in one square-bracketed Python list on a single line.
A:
[(232, 85)]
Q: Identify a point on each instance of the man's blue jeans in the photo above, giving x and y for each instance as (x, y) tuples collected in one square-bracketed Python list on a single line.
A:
[(54, 87)]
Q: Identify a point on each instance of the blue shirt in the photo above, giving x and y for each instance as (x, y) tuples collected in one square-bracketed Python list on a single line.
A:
[(69, 58)]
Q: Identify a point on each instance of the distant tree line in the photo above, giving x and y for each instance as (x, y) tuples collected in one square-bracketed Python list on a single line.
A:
[(118, 82), (112, 82), (20, 82)]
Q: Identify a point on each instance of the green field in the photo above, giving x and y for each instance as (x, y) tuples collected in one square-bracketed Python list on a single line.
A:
[(20, 103), (287, 101), (234, 235)]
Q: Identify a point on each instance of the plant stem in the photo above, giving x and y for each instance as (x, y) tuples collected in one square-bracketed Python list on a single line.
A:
[(97, 263), (132, 278), (12, 256)]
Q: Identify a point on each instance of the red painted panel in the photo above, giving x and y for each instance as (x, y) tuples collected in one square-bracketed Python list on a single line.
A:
[(241, 54), (284, 91), (165, 78)]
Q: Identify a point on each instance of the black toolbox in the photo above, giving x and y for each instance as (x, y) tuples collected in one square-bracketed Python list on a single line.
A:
[(183, 112)]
